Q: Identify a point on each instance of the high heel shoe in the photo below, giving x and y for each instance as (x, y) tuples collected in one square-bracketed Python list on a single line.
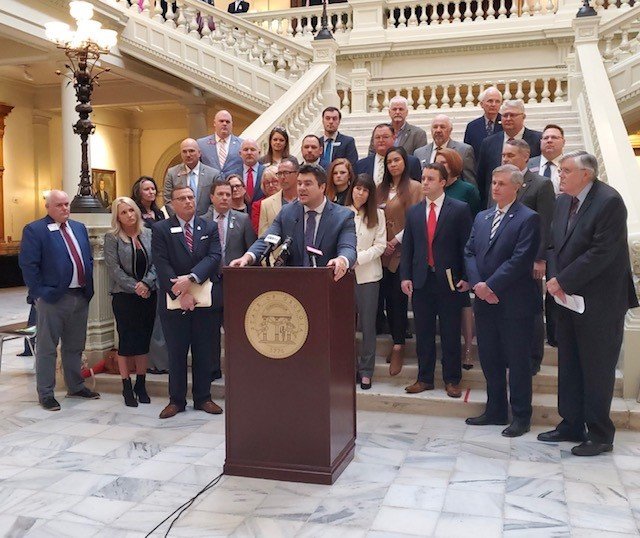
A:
[(365, 386), (467, 362)]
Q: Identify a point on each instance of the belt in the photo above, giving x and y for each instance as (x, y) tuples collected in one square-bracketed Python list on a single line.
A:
[(76, 290)]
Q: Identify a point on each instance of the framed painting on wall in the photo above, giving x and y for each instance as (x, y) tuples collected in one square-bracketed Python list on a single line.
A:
[(104, 185)]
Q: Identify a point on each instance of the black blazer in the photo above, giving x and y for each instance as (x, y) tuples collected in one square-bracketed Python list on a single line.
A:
[(537, 193), (592, 257), (365, 166), (244, 7), (490, 157), (452, 232), (476, 132), (172, 257), (343, 148)]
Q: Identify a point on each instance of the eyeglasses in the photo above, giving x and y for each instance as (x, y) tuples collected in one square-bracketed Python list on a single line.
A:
[(285, 173), (186, 198), (569, 170), (512, 115), (234, 187)]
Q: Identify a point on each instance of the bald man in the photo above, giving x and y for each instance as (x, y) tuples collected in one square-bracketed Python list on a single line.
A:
[(221, 149), (190, 173), (251, 170)]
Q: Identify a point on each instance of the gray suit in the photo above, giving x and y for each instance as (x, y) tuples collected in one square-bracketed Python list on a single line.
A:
[(239, 234), (412, 138), (118, 258), (464, 150), (179, 175)]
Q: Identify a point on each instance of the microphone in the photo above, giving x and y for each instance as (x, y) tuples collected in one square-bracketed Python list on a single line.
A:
[(272, 242), (313, 254), (281, 260)]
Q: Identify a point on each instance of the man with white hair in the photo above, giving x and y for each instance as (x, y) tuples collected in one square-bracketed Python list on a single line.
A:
[(487, 124), (490, 155), (251, 170), (410, 137), (441, 128), (57, 267)]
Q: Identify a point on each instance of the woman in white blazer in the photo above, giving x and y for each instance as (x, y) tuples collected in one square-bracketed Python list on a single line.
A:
[(371, 232)]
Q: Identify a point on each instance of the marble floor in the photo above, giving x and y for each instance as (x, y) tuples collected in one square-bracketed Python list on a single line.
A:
[(98, 468)]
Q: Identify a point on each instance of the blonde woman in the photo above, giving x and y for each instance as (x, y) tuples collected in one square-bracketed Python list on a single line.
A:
[(132, 284)]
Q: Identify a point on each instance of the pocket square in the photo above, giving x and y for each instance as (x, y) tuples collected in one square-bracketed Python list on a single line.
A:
[(204, 237)]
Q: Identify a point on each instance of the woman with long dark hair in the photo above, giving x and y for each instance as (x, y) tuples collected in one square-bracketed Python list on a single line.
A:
[(278, 146), (371, 237), (144, 193), (339, 178), (395, 194)]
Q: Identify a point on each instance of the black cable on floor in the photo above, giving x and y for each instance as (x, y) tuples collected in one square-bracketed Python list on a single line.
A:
[(183, 507)]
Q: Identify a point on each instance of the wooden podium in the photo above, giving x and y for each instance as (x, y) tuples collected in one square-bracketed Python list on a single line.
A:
[(291, 417)]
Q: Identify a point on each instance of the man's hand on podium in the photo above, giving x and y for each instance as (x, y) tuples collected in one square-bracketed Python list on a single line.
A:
[(339, 267), (245, 260)]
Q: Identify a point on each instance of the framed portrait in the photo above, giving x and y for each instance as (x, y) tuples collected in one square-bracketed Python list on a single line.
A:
[(104, 185)]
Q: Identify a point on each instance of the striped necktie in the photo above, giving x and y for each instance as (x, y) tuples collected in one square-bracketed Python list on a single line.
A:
[(497, 219), (222, 152), (188, 235)]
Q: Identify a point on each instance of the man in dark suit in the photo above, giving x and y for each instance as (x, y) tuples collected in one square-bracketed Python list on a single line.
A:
[(186, 251), (383, 140), (537, 194), (312, 221), (238, 6), (436, 232), (410, 137), (311, 149), (190, 172), (335, 144), (236, 236), (251, 170), (487, 124), (490, 155), (589, 258), (102, 195), (57, 267), (221, 150), (441, 128), (499, 256)]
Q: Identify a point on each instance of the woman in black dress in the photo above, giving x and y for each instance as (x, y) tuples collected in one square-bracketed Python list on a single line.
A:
[(132, 284)]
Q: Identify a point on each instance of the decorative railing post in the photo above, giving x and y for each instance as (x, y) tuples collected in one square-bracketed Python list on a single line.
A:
[(359, 91), (368, 21), (324, 52)]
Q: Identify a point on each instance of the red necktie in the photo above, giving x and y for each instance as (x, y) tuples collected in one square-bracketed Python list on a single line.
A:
[(75, 256), (250, 183), (431, 230), (188, 235)]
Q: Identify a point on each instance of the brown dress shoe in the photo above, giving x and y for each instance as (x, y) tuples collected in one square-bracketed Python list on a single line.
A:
[(397, 360), (171, 411), (419, 386), (453, 391), (209, 407)]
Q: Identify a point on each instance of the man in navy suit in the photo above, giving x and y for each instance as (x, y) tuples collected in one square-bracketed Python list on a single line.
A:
[(433, 276), (238, 6), (312, 221), (221, 150), (490, 155), (487, 124), (499, 256), (186, 250), (335, 145), (251, 170), (373, 165), (57, 267)]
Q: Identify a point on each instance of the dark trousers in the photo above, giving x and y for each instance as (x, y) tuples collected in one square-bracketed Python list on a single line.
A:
[(505, 343), (550, 315), (396, 304), (447, 308), (195, 330), (587, 358), (537, 344)]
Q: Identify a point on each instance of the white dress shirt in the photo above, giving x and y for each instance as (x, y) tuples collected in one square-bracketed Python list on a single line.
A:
[(438, 201), (518, 136), (74, 279), (555, 178), (378, 169)]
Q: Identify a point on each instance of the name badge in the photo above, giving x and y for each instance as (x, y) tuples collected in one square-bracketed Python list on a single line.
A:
[(176, 229), (204, 237), (53, 227)]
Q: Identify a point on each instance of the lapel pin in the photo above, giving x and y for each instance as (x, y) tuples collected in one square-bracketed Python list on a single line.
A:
[(198, 228)]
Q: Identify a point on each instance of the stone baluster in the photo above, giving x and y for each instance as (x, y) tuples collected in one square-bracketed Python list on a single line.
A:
[(413, 20), (421, 100), (191, 15), (558, 94), (255, 55), (345, 106), (507, 90), (207, 22), (340, 27), (468, 100), (134, 6), (157, 11), (144, 9), (456, 11), (181, 22), (550, 8), (491, 12), (385, 101), (294, 68), (243, 45), (216, 35), (533, 93), (281, 64), (402, 20), (423, 16), (478, 14), (373, 104), (607, 55), (624, 49), (457, 98), (537, 8), (433, 99), (545, 91), (468, 14), (624, 5), (410, 101), (599, 5), (170, 16), (525, 8), (519, 92), (229, 38), (445, 96), (502, 10)]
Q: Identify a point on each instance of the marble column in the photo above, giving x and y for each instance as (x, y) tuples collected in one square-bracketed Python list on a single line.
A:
[(71, 150), (42, 176), (196, 119), (4, 112), (134, 136)]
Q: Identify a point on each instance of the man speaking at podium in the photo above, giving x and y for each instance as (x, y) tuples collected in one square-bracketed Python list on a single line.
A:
[(315, 230)]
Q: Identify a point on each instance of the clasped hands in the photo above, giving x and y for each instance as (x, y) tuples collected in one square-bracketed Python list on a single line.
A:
[(142, 290), (180, 289), (485, 293), (553, 287)]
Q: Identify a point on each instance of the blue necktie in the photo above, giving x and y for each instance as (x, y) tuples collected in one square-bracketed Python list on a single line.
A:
[(192, 181), (547, 170), (326, 156), (309, 233)]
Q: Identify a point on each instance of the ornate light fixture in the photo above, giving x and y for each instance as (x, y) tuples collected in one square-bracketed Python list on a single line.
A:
[(83, 46), (324, 32)]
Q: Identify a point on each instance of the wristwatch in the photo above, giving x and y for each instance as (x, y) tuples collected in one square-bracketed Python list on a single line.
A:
[(192, 278)]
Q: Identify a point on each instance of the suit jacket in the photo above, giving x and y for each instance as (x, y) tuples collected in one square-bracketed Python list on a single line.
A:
[(119, 258), (239, 234), (269, 209), (505, 262), (344, 147), (452, 232), (413, 137), (103, 196), (179, 175), (476, 132), (371, 245), (365, 166), (464, 150), (490, 157), (233, 162), (336, 234), (257, 183), (172, 258), (243, 8), (46, 265), (592, 257), (537, 194)]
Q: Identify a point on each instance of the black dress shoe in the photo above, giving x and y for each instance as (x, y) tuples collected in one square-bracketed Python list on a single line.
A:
[(557, 436), (484, 420), (25, 354), (589, 448), (516, 429), (217, 374), (365, 386), (408, 335)]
